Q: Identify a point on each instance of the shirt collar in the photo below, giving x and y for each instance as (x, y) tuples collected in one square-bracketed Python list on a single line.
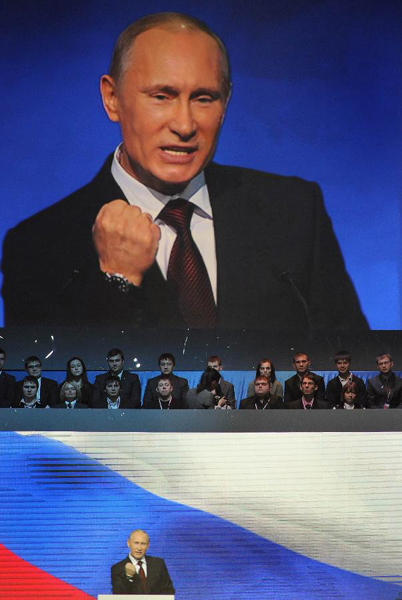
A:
[(307, 402), (151, 201), (135, 561)]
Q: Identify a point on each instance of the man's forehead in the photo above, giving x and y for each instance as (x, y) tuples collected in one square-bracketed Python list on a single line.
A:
[(161, 50), (138, 535)]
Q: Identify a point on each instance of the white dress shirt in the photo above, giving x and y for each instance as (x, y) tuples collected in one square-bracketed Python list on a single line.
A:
[(152, 202), (137, 566)]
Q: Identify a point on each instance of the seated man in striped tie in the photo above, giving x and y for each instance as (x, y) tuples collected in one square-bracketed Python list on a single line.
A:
[(140, 573)]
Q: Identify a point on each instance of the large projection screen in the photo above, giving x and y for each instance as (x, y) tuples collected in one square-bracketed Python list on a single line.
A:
[(317, 91), (284, 515)]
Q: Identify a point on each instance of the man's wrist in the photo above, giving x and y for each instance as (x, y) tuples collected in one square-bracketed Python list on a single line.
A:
[(121, 282)]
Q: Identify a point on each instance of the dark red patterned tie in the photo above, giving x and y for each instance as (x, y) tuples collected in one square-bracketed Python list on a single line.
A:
[(141, 573), (187, 269)]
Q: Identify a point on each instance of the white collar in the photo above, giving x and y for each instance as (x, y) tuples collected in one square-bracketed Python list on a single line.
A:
[(150, 200)]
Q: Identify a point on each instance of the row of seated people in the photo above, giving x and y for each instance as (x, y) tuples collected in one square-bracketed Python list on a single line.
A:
[(120, 389)]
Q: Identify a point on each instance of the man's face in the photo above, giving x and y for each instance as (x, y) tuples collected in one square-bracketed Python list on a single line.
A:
[(34, 368), (138, 543), (70, 392), (214, 364), (2, 360), (301, 364), (115, 363), (164, 388), (385, 365), (76, 368), (343, 366), (166, 366), (308, 387), (261, 388), (170, 107), (29, 390), (112, 389)]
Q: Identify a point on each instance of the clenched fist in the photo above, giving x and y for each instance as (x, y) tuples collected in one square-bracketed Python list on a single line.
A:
[(129, 569), (126, 240)]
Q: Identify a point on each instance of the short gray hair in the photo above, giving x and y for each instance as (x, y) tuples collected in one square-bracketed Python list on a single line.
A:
[(167, 20)]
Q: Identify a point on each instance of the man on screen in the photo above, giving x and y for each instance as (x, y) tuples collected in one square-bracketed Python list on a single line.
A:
[(164, 237), (139, 573)]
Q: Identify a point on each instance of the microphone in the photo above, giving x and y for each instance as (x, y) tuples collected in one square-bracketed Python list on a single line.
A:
[(283, 275)]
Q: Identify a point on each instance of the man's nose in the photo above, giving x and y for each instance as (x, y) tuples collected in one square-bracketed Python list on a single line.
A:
[(182, 123)]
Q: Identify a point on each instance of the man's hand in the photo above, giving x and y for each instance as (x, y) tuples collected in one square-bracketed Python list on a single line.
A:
[(130, 569), (126, 240)]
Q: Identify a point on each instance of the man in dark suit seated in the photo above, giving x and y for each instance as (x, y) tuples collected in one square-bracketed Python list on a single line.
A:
[(7, 384), (227, 388), (26, 395), (262, 399), (166, 363), (333, 392), (47, 388), (165, 399), (309, 394), (112, 397), (140, 573), (161, 233), (384, 390), (301, 364), (130, 387)]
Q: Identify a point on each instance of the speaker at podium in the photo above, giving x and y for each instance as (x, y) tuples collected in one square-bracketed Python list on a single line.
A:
[(139, 597)]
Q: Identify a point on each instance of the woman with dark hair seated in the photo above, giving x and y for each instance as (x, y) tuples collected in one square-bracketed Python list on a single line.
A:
[(208, 393), (266, 367), (26, 395), (70, 396), (77, 372), (349, 396)]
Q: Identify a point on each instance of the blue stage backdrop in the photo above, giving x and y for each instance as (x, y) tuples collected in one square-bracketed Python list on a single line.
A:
[(235, 515), (317, 93)]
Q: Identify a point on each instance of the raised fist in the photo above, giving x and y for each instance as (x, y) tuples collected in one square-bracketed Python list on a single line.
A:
[(126, 240)]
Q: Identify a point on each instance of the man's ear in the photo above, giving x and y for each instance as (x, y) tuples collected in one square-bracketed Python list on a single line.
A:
[(108, 90)]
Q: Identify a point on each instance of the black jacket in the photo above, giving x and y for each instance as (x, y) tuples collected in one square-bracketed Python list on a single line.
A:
[(267, 228)]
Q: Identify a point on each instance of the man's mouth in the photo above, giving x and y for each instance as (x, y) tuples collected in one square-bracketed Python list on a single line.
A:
[(178, 151)]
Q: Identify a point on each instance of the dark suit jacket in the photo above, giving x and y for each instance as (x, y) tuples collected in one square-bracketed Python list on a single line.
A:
[(174, 404), (130, 391), (293, 391), (158, 579), (377, 394), (249, 403), (7, 390), (77, 405), (334, 389), (263, 223), (299, 404), (48, 392), (227, 390), (180, 389)]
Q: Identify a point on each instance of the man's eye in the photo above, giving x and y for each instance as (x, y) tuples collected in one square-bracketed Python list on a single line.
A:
[(160, 97), (205, 99)]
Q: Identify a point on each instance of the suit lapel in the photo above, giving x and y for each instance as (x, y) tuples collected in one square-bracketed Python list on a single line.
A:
[(234, 239)]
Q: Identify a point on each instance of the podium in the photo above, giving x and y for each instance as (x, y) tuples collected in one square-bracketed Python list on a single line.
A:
[(139, 597)]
